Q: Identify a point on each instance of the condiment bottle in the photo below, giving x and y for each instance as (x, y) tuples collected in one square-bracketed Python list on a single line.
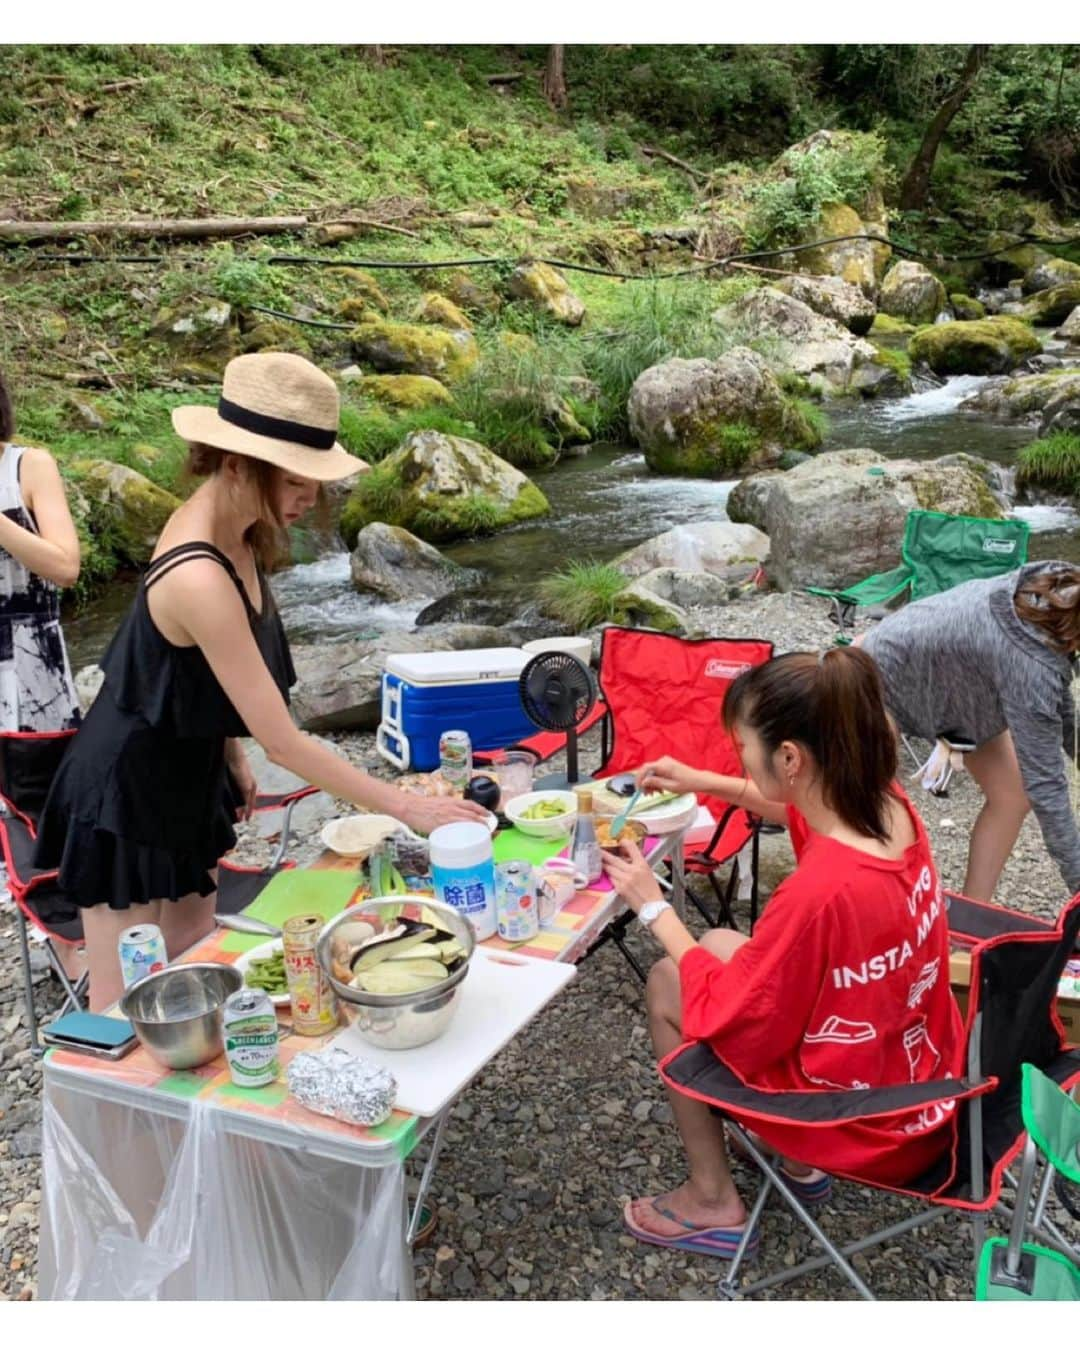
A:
[(585, 849)]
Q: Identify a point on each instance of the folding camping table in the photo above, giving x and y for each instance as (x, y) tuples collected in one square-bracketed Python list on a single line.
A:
[(180, 1185)]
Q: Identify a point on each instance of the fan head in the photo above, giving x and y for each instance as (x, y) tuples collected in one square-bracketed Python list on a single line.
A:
[(557, 690)]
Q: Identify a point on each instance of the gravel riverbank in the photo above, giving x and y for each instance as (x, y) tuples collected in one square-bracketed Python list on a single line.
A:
[(570, 1119)]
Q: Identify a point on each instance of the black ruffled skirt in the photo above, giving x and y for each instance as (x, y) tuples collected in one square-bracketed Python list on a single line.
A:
[(135, 813)]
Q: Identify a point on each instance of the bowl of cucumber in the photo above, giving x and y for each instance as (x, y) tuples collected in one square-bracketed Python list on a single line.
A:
[(397, 965), (548, 814)]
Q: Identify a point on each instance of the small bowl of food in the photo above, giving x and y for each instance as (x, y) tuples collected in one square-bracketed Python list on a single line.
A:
[(357, 835), (631, 831), (548, 814), (397, 967)]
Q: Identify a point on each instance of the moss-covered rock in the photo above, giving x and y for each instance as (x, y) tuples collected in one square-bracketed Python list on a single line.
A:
[(460, 287), (545, 288), (855, 261), (366, 292), (1050, 273), (897, 362), (443, 312), (1013, 258), (126, 510), (1049, 308), (967, 309), (715, 418), (272, 334), (408, 391), (1070, 329), (203, 335), (441, 487), (912, 292), (638, 606), (985, 346), (405, 348), (886, 326), (605, 201)]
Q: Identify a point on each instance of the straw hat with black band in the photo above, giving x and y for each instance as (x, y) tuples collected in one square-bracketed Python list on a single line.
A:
[(276, 407)]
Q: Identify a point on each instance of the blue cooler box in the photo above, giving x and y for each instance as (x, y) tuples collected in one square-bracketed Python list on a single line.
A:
[(425, 694)]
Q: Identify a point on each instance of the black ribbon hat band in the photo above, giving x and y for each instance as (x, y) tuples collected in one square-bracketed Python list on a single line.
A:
[(272, 427)]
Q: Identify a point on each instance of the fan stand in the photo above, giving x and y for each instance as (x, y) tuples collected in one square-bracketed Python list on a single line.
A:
[(565, 780)]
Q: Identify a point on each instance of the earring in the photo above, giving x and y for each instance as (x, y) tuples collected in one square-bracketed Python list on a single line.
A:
[(791, 782)]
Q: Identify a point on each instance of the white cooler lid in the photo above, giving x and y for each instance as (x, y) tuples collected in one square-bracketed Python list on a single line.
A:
[(445, 666)]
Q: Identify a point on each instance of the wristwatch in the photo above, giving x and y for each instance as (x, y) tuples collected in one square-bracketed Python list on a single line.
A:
[(651, 910)]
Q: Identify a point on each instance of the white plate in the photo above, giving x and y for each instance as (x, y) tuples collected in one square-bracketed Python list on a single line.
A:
[(261, 951), (371, 828), (670, 817)]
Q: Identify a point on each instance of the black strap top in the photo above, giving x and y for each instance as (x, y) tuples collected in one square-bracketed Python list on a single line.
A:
[(172, 687)]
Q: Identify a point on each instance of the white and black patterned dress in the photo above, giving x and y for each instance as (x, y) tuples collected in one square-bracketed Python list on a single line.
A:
[(36, 690)]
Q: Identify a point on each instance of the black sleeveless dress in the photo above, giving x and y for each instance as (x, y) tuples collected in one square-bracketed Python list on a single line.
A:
[(142, 805)]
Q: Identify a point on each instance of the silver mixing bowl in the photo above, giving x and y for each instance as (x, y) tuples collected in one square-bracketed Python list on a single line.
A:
[(176, 1013), (396, 1021)]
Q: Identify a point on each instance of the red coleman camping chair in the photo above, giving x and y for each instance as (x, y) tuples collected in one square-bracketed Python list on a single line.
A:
[(664, 697), (28, 763), (1011, 1021)]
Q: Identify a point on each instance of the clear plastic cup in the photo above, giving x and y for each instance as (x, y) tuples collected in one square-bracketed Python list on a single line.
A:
[(514, 772)]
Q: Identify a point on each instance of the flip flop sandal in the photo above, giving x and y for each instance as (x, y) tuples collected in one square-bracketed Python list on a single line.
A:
[(720, 1241), (429, 1220), (814, 1189)]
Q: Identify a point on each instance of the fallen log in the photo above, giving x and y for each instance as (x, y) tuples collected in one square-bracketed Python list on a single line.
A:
[(651, 151), (22, 231)]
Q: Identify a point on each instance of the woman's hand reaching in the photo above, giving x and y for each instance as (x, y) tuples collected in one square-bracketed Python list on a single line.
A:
[(425, 814), (668, 775), (631, 876)]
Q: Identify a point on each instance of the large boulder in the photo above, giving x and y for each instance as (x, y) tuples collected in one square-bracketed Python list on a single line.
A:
[(1052, 399), (1070, 329), (546, 289), (693, 588), (855, 260), (408, 391), (1052, 272), (840, 517), (442, 487), (984, 346), (466, 293), (438, 309), (1050, 308), (640, 605), (203, 336), (911, 292), (123, 506), (1013, 258), (966, 308), (714, 418), (797, 340), (392, 564), (713, 547), (408, 348), (832, 298), (339, 685)]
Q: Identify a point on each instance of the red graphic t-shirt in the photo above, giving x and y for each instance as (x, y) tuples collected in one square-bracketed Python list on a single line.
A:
[(844, 985)]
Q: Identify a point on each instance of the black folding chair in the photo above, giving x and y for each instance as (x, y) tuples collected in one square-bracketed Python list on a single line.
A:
[(28, 763), (1011, 1020)]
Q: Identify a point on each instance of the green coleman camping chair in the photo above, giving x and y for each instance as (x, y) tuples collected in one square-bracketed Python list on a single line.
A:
[(1010, 1268), (939, 551)]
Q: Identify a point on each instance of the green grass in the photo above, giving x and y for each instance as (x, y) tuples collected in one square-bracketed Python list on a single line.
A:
[(814, 416), (584, 594), (1053, 463)]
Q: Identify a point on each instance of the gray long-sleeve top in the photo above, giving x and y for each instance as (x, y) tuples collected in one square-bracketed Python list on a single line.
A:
[(964, 663)]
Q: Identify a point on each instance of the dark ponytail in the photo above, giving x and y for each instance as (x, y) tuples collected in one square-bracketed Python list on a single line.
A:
[(834, 706), (7, 416)]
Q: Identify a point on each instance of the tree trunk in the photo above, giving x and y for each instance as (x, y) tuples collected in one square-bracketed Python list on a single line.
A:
[(915, 189), (555, 76)]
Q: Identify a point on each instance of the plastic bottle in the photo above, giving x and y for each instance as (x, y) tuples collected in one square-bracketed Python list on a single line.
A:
[(585, 849), (463, 873)]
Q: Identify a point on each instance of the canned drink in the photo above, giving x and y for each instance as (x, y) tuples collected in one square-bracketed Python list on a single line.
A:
[(142, 951), (250, 1029), (516, 916), (314, 1005), (455, 758)]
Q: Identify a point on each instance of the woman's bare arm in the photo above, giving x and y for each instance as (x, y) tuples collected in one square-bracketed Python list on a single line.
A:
[(52, 552)]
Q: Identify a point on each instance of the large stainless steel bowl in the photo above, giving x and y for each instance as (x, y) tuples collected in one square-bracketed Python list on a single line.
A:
[(395, 1021), (176, 1013)]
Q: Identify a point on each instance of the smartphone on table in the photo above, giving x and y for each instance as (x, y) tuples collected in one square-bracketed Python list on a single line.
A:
[(94, 1034)]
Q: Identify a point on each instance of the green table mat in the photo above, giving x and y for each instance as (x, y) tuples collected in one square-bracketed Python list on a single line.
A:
[(514, 845), (291, 892)]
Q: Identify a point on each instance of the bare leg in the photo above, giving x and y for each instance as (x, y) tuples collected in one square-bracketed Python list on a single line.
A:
[(102, 927), (72, 958), (996, 771), (185, 922), (708, 1198)]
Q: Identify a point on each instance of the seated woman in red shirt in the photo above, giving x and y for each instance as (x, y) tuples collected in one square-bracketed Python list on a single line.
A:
[(844, 983)]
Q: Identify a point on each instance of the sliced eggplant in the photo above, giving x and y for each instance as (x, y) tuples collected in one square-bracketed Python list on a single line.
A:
[(400, 976), (409, 934)]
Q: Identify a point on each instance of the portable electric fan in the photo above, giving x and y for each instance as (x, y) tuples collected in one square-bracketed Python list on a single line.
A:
[(557, 692)]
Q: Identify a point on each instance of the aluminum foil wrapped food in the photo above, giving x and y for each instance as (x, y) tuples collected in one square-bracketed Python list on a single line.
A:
[(338, 1084)]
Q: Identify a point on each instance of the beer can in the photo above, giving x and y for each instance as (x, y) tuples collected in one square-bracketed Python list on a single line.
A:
[(250, 1029), (455, 758), (516, 916), (314, 1006), (142, 951)]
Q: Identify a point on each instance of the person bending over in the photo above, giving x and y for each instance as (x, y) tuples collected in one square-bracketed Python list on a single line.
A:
[(844, 983)]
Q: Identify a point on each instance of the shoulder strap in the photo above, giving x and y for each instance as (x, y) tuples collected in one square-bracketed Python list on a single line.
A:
[(9, 470), (188, 551)]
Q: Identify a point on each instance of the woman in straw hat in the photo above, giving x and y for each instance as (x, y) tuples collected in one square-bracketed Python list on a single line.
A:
[(136, 818)]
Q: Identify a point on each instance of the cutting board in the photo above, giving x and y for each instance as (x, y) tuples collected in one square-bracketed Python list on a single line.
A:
[(502, 992), (291, 892)]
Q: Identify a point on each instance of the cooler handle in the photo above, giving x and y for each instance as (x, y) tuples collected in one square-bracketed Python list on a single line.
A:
[(387, 737), (391, 702)]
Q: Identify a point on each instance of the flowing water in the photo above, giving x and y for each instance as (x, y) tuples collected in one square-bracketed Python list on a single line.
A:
[(608, 501)]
